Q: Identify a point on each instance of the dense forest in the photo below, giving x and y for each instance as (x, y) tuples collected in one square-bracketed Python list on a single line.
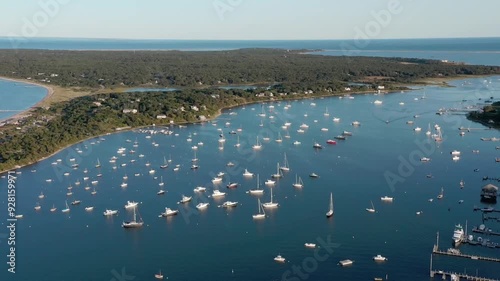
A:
[(186, 69)]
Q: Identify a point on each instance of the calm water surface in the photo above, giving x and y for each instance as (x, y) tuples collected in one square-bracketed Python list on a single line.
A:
[(16, 97), (229, 244)]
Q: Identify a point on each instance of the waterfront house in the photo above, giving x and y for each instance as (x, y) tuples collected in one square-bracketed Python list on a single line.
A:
[(489, 193)]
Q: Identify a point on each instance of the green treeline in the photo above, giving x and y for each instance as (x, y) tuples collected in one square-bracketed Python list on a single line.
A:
[(489, 115), (65, 123), (186, 69)]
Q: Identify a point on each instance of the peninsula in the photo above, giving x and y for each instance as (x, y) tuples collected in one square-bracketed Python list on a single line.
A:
[(92, 96)]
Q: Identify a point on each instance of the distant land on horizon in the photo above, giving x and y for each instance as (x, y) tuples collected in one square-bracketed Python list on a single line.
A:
[(225, 40)]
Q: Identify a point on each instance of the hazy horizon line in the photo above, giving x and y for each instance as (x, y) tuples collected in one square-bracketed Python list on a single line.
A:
[(164, 39)]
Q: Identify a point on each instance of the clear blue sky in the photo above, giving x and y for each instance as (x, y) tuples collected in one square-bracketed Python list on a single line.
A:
[(249, 19)]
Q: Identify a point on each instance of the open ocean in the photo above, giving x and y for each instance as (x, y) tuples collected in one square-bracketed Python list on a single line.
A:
[(220, 244)]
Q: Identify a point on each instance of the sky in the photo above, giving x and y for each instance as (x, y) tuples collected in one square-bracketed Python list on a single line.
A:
[(250, 19)]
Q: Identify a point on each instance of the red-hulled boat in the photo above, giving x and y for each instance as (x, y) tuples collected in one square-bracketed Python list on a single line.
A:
[(331, 142)]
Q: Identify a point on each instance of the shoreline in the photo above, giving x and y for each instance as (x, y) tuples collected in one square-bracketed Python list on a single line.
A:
[(50, 93), (218, 113)]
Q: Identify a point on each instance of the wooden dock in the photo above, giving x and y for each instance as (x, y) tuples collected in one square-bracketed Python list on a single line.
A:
[(435, 250), (464, 276)]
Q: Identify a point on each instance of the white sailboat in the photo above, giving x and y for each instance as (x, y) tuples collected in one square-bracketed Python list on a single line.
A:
[(270, 204), (428, 133), (326, 114), (298, 182), (257, 146), (238, 141), (439, 136), (330, 211), (165, 163), (262, 213), (161, 181), (278, 174), (279, 139), (285, 166), (67, 208), (194, 159), (258, 190), (98, 165), (134, 223), (372, 209), (247, 173)]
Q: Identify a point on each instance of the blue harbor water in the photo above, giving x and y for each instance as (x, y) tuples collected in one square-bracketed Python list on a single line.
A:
[(227, 244), (17, 96)]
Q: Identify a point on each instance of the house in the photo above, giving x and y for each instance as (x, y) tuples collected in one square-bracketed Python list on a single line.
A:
[(161, 116), (489, 193), (130, 111), (202, 118), (194, 108), (347, 89), (380, 87)]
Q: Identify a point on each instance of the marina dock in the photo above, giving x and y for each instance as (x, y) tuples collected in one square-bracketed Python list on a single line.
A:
[(435, 250), (460, 275)]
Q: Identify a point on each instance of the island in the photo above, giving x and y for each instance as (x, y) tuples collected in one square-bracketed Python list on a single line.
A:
[(92, 91)]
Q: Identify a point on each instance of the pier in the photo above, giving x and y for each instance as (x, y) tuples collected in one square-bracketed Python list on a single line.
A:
[(460, 275), (455, 275), (435, 250)]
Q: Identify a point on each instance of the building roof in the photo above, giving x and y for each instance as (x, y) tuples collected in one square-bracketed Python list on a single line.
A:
[(490, 187)]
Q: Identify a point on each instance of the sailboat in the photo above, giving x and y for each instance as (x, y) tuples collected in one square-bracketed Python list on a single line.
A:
[(278, 172), (98, 165), (165, 163), (270, 204), (161, 184), (134, 223), (326, 114), (258, 190), (194, 159), (428, 130), (462, 184), (279, 139), (439, 136), (262, 213), (330, 212), (257, 146), (441, 195), (53, 209), (159, 275), (372, 209), (285, 166), (298, 182), (262, 114), (67, 208), (238, 141)]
